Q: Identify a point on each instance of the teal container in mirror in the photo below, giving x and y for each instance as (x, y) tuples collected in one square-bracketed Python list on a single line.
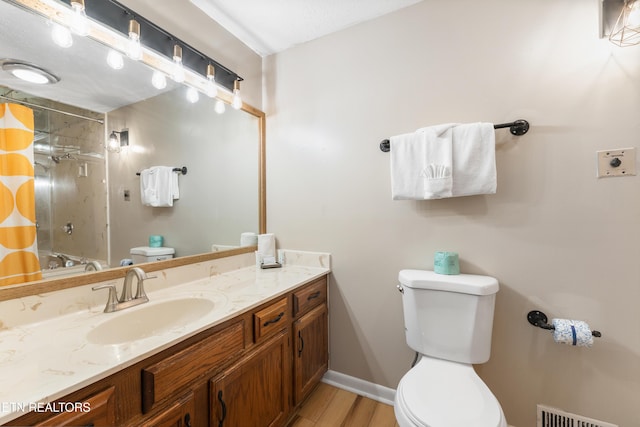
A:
[(446, 263), (155, 241)]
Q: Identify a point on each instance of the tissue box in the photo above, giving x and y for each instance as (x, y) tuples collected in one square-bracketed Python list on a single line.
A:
[(446, 263)]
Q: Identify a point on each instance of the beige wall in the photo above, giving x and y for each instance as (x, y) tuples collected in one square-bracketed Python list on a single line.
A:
[(557, 238)]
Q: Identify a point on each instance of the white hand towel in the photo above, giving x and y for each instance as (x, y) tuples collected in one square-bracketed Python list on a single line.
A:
[(474, 159), (421, 163), (148, 195), (157, 186), (267, 245)]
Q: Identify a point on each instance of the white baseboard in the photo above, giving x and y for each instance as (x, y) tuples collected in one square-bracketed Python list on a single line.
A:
[(364, 388)]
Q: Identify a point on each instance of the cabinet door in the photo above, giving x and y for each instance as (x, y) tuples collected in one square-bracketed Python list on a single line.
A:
[(311, 351), (255, 391), (179, 414), (97, 410)]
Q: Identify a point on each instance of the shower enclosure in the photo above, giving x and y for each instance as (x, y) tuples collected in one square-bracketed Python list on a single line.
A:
[(70, 185)]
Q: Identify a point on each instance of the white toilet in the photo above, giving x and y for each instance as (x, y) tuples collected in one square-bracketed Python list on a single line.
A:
[(144, 254), (448, 321)]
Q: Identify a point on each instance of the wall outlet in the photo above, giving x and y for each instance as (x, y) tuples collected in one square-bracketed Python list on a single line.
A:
[(618, 162)]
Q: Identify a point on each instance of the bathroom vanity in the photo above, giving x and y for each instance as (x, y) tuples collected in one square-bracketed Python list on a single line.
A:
[(255, 347)]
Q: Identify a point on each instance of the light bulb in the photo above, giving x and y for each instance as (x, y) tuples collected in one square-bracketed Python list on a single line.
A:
[(158, 80), (177, 73), (61, 35), (134, 49), (79, 23), (220, 107), (212, 88), (237, 100), (192, 95), (114, 59), (113, 145), (633, 19)]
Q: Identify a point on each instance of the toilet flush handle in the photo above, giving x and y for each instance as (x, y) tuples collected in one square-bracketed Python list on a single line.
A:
[(400, 288)]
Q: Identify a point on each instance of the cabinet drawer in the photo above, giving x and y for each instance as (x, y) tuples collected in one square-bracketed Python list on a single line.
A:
[(97, 410), (309, 296), (270, 320), (166, 377)]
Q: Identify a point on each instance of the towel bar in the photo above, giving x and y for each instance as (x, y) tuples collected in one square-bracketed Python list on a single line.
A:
[(182, 170), (539, 319), (519, 127)]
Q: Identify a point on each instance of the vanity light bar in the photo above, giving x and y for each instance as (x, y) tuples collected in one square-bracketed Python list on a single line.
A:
[(117, 16), (109, 24)]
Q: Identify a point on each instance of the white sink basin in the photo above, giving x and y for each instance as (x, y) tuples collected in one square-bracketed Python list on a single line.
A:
[(149, 319)]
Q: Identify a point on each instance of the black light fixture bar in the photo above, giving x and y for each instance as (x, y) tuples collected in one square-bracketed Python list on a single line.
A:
[(117, 17)]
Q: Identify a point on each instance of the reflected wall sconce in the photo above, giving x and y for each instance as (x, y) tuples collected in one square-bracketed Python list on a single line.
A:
[(116, 143), (621, 22)]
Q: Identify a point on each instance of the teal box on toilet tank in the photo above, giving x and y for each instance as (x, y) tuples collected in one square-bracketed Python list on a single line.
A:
[(446, 263)]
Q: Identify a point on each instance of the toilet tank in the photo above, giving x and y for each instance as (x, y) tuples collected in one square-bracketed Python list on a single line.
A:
[(144, 254), (448, 316)]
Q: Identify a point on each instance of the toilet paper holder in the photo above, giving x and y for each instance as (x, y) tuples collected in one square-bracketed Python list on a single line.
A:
[(539, 319)]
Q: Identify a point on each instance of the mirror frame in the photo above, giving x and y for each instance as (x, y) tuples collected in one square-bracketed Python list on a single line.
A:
[(51, 285)]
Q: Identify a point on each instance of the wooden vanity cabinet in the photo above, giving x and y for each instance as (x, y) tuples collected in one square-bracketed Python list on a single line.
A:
[(251, 370), (255, 391), (310, 338)]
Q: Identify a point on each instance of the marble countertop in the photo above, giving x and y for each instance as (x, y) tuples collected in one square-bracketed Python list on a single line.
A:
[(46, 360)]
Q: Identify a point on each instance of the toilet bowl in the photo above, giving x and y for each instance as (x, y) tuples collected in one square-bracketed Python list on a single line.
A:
[(448, 321), (144, 254), (440, 393)]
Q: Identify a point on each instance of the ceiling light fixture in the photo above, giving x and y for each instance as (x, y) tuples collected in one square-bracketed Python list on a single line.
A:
[(177, 74), (626, 31), (29, 72), (237, 100), (79, 23), (134, 49), (212, 88)]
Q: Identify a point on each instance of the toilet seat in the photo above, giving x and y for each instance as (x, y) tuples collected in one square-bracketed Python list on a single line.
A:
[(441, 393)]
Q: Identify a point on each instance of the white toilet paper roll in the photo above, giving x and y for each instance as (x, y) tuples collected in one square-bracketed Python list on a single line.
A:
[(572, 332), (248, 239), (267, 245)]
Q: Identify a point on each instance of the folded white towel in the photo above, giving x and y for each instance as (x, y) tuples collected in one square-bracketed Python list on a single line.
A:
[(158, 186), (421, 163), (446, 160)]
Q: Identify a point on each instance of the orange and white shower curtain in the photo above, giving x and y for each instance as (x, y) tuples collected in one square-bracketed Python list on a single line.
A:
[(18, 246)]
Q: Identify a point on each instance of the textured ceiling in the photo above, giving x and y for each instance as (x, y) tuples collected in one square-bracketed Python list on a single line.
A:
[(270, 26)]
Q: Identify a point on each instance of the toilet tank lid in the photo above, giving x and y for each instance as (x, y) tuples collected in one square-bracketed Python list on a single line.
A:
[(149, 251), (463, 283)]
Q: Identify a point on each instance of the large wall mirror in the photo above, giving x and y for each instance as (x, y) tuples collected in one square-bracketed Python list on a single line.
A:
[(88, 199)]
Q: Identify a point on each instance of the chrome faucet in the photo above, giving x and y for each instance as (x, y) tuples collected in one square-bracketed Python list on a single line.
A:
[(92, 266), (126, 300)]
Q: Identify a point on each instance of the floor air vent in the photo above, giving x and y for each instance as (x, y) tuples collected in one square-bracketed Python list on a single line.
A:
[(552, 417)]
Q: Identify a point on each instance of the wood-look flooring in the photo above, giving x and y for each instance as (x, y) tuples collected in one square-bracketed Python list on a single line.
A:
[(328, 406)]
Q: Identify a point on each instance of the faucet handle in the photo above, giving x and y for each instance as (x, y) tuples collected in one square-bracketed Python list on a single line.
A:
[(140, 293), (112, 300)]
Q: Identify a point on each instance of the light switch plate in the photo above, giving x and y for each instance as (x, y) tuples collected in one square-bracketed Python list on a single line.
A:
[(618, 162)]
